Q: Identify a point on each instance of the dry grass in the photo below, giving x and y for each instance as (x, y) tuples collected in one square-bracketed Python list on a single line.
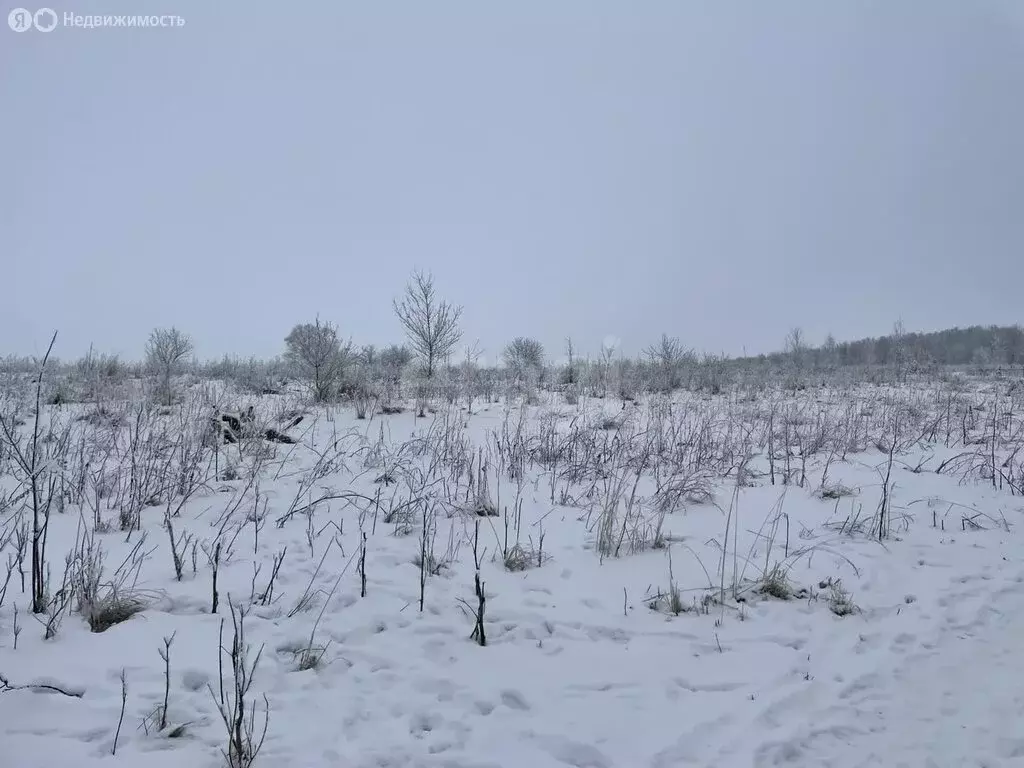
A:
[(114, 608)]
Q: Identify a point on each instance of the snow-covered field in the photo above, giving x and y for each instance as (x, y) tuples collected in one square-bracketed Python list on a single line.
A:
[(753, 579)]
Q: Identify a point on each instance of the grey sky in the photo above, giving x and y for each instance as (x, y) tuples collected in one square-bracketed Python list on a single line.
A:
[(720, 171)]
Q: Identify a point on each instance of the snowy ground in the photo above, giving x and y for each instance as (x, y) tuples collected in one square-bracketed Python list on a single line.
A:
[(584, 665)]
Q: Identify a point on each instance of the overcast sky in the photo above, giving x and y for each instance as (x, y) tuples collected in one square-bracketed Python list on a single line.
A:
[(720, 171)]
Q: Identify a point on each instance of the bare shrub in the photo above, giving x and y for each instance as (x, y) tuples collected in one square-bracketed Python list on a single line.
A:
[(362, 399), (776, 583), (839, 600), (237, 711), (104, 603), (317, 354), (834, 491), (683, 487), (36, 459), (571, 394), (667, 358), (165, 350), (521, 557), (310, 657)]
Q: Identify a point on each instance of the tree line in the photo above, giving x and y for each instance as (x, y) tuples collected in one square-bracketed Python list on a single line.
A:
[(333, 368), (992, 345)]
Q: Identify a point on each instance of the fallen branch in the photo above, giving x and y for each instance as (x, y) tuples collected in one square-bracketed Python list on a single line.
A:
[(6, 685)]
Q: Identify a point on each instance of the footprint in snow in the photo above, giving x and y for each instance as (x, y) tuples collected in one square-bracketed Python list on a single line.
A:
[(194, 679), (514, 700), (574, 753)]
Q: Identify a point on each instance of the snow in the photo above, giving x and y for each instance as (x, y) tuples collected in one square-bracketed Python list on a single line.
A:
[(578, 670)]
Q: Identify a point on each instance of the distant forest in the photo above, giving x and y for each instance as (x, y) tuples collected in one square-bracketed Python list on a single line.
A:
[(976, 345)]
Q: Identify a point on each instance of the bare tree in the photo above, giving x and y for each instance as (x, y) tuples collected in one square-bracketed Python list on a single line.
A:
[(600, 372), (796, 346), (899, 352), (318, 355), (368, 355), (830, 351), (470, 374), (393, 359), (165, 350), (524, 356), (570, 361), (795, 342), (431, 325)]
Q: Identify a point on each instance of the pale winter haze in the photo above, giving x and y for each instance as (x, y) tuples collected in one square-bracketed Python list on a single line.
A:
[(719, 172), (482, 550)]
